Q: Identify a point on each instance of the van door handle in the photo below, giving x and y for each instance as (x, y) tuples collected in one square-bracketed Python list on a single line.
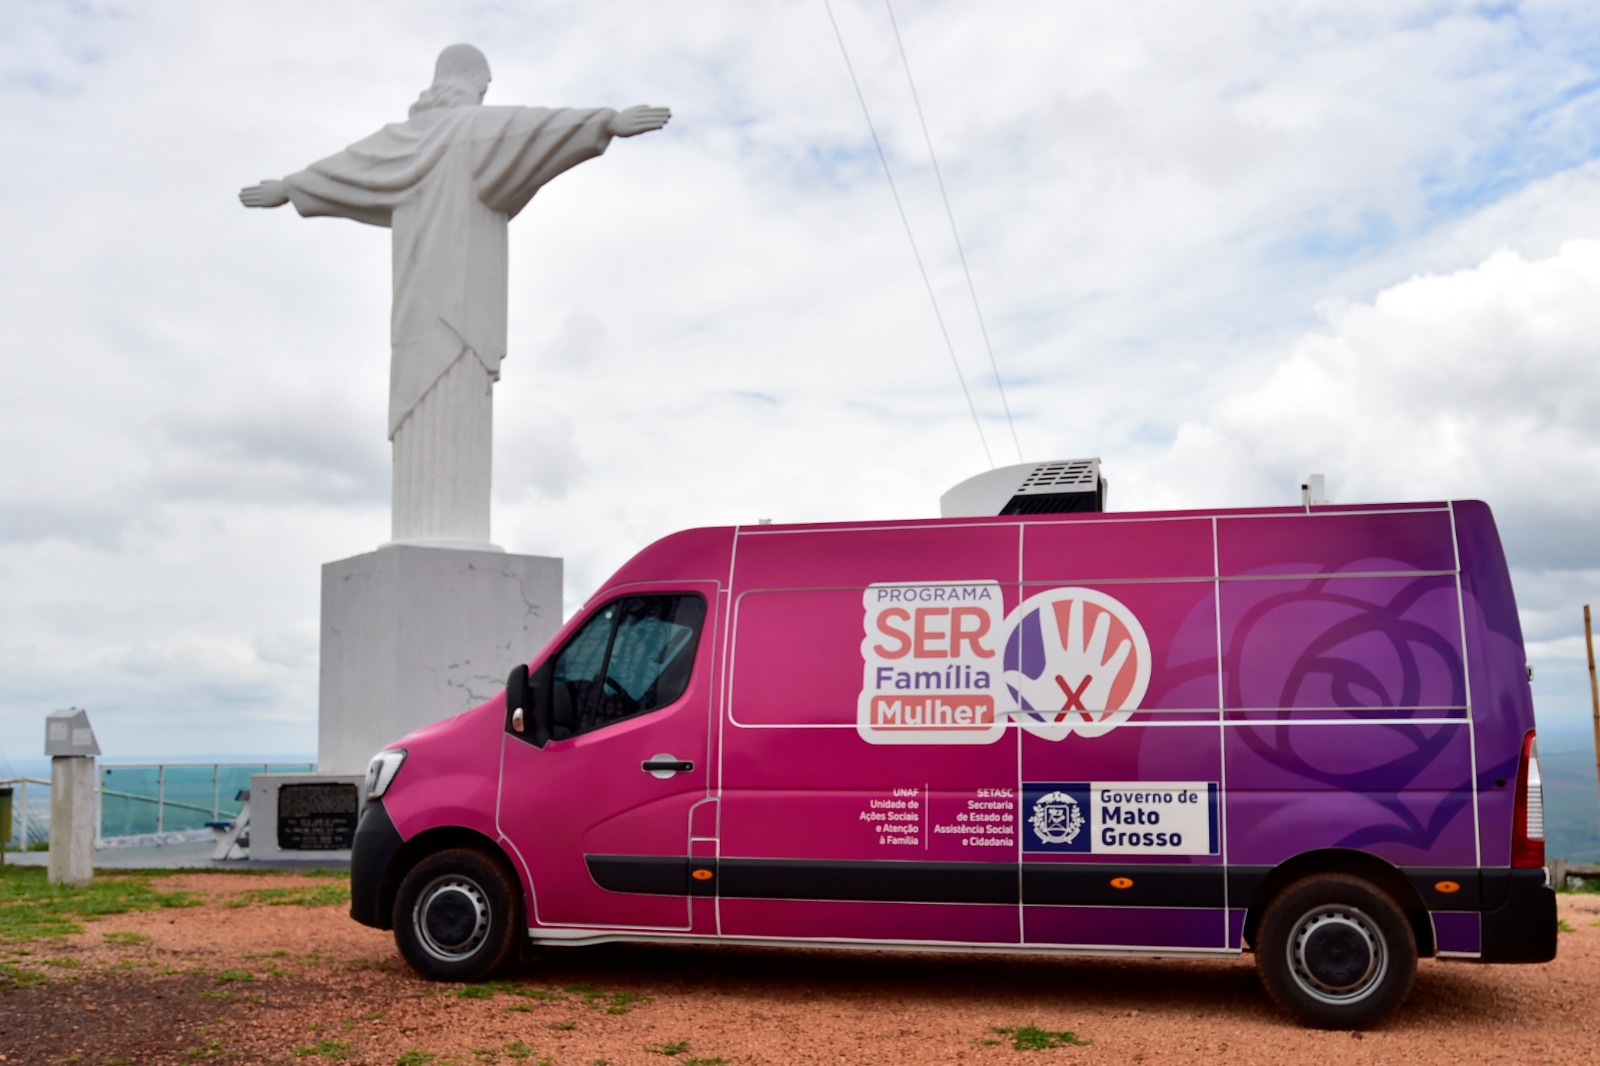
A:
[(666, 765)]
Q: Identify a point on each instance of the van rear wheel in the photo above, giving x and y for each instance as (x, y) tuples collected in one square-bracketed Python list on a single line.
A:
[(456, 916), (1335, 952)]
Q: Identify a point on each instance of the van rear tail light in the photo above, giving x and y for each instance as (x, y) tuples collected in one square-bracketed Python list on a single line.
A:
[(1527, 819)]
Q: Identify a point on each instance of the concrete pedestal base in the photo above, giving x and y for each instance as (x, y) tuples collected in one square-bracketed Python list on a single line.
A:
[(71, 820), (414, 634), (287, 824)]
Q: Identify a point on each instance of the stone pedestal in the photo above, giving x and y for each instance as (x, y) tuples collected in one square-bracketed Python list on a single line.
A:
[(71, 820), (414, 634), (304, 816)]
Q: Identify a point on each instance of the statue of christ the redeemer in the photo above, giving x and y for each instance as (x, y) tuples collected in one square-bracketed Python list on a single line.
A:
[(447, 181)]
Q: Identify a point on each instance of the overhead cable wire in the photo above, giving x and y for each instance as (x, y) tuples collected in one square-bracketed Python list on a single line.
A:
[(955, 233), (906, 222)]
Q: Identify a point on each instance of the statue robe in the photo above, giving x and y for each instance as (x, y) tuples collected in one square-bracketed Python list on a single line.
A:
[(446, 182)]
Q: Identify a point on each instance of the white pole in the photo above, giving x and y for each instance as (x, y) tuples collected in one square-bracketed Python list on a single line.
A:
[(71, 820)]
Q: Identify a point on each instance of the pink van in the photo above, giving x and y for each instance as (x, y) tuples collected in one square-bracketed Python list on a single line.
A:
[(1304, 732)]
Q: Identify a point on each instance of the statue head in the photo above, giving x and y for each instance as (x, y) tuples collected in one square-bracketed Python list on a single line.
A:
[(460, 77)]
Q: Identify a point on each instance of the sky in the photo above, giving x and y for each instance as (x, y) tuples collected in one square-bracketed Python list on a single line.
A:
[(1353, 238)]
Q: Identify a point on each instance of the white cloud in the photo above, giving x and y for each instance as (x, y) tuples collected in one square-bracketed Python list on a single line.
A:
[(1477, 383)]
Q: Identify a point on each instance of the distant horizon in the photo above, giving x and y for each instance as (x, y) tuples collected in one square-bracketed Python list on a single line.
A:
[(204, 758)]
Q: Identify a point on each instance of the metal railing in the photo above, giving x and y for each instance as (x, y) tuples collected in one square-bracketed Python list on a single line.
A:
[(27, 827), (145, 803)]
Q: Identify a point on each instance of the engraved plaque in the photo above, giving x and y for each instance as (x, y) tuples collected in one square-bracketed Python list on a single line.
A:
[(317, 817)]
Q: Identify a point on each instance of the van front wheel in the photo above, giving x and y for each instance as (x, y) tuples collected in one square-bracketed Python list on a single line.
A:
[(1335, 952), (456, 916)]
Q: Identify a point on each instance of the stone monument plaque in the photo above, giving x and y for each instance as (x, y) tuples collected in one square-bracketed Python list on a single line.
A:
[(317, 816)]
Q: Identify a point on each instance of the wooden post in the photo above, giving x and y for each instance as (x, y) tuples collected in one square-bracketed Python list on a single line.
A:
[(1594, 688)]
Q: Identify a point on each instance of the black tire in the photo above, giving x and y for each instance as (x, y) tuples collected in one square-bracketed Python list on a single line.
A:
[(458, 916), (1335, 952)]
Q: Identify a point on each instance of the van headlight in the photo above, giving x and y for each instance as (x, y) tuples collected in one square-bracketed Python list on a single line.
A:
[(381, 771)]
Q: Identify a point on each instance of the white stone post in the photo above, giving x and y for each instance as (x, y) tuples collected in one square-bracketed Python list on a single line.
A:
[(70, 743), (71, 820)]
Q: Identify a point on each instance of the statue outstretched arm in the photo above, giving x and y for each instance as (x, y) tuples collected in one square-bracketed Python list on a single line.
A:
[(270, 193), (636, 120)]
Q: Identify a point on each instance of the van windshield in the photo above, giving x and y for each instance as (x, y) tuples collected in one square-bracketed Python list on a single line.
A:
[(633, 656)]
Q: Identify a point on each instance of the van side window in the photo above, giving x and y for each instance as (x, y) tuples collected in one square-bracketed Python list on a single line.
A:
[(633, 656)]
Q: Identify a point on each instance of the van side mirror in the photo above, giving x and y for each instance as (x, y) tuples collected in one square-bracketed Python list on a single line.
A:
[(517, 699), (528, 703)]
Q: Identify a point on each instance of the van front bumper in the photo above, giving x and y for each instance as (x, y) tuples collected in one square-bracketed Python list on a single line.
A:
[(1519, 916), (376, 844)]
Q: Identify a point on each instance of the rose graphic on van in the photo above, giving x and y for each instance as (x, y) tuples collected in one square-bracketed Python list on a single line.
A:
[(1076, 661)]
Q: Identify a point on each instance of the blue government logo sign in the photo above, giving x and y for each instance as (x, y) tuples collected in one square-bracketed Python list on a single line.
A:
[(1057, 817)]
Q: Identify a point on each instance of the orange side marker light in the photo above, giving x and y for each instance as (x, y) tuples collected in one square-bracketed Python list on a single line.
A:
[(701, 875), (1446, 887), (1122, 882)]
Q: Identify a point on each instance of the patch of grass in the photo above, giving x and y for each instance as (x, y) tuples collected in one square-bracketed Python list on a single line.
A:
[(525, 991), (518, 1050), (692, 1061), (564, 1026), (215, 993), (486, 989), (32, 909), (126, 939), (65, 964), (677, 1048), (599, 999), (619, 1002), (415, 1057), (212, 1049), (13, 976), (305, 896), (328, 1049), (1564, 926), (520, 1008), (1032, 1038), (235, 975), (610, 1002)]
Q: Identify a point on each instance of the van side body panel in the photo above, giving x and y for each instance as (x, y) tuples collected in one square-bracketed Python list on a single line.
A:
[(1102, 733)]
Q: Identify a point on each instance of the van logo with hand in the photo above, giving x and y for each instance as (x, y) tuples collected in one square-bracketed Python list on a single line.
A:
[(944, 664), (1076, 661)]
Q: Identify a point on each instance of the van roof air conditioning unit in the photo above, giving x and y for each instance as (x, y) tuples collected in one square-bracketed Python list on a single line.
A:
[(1059, 487)]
